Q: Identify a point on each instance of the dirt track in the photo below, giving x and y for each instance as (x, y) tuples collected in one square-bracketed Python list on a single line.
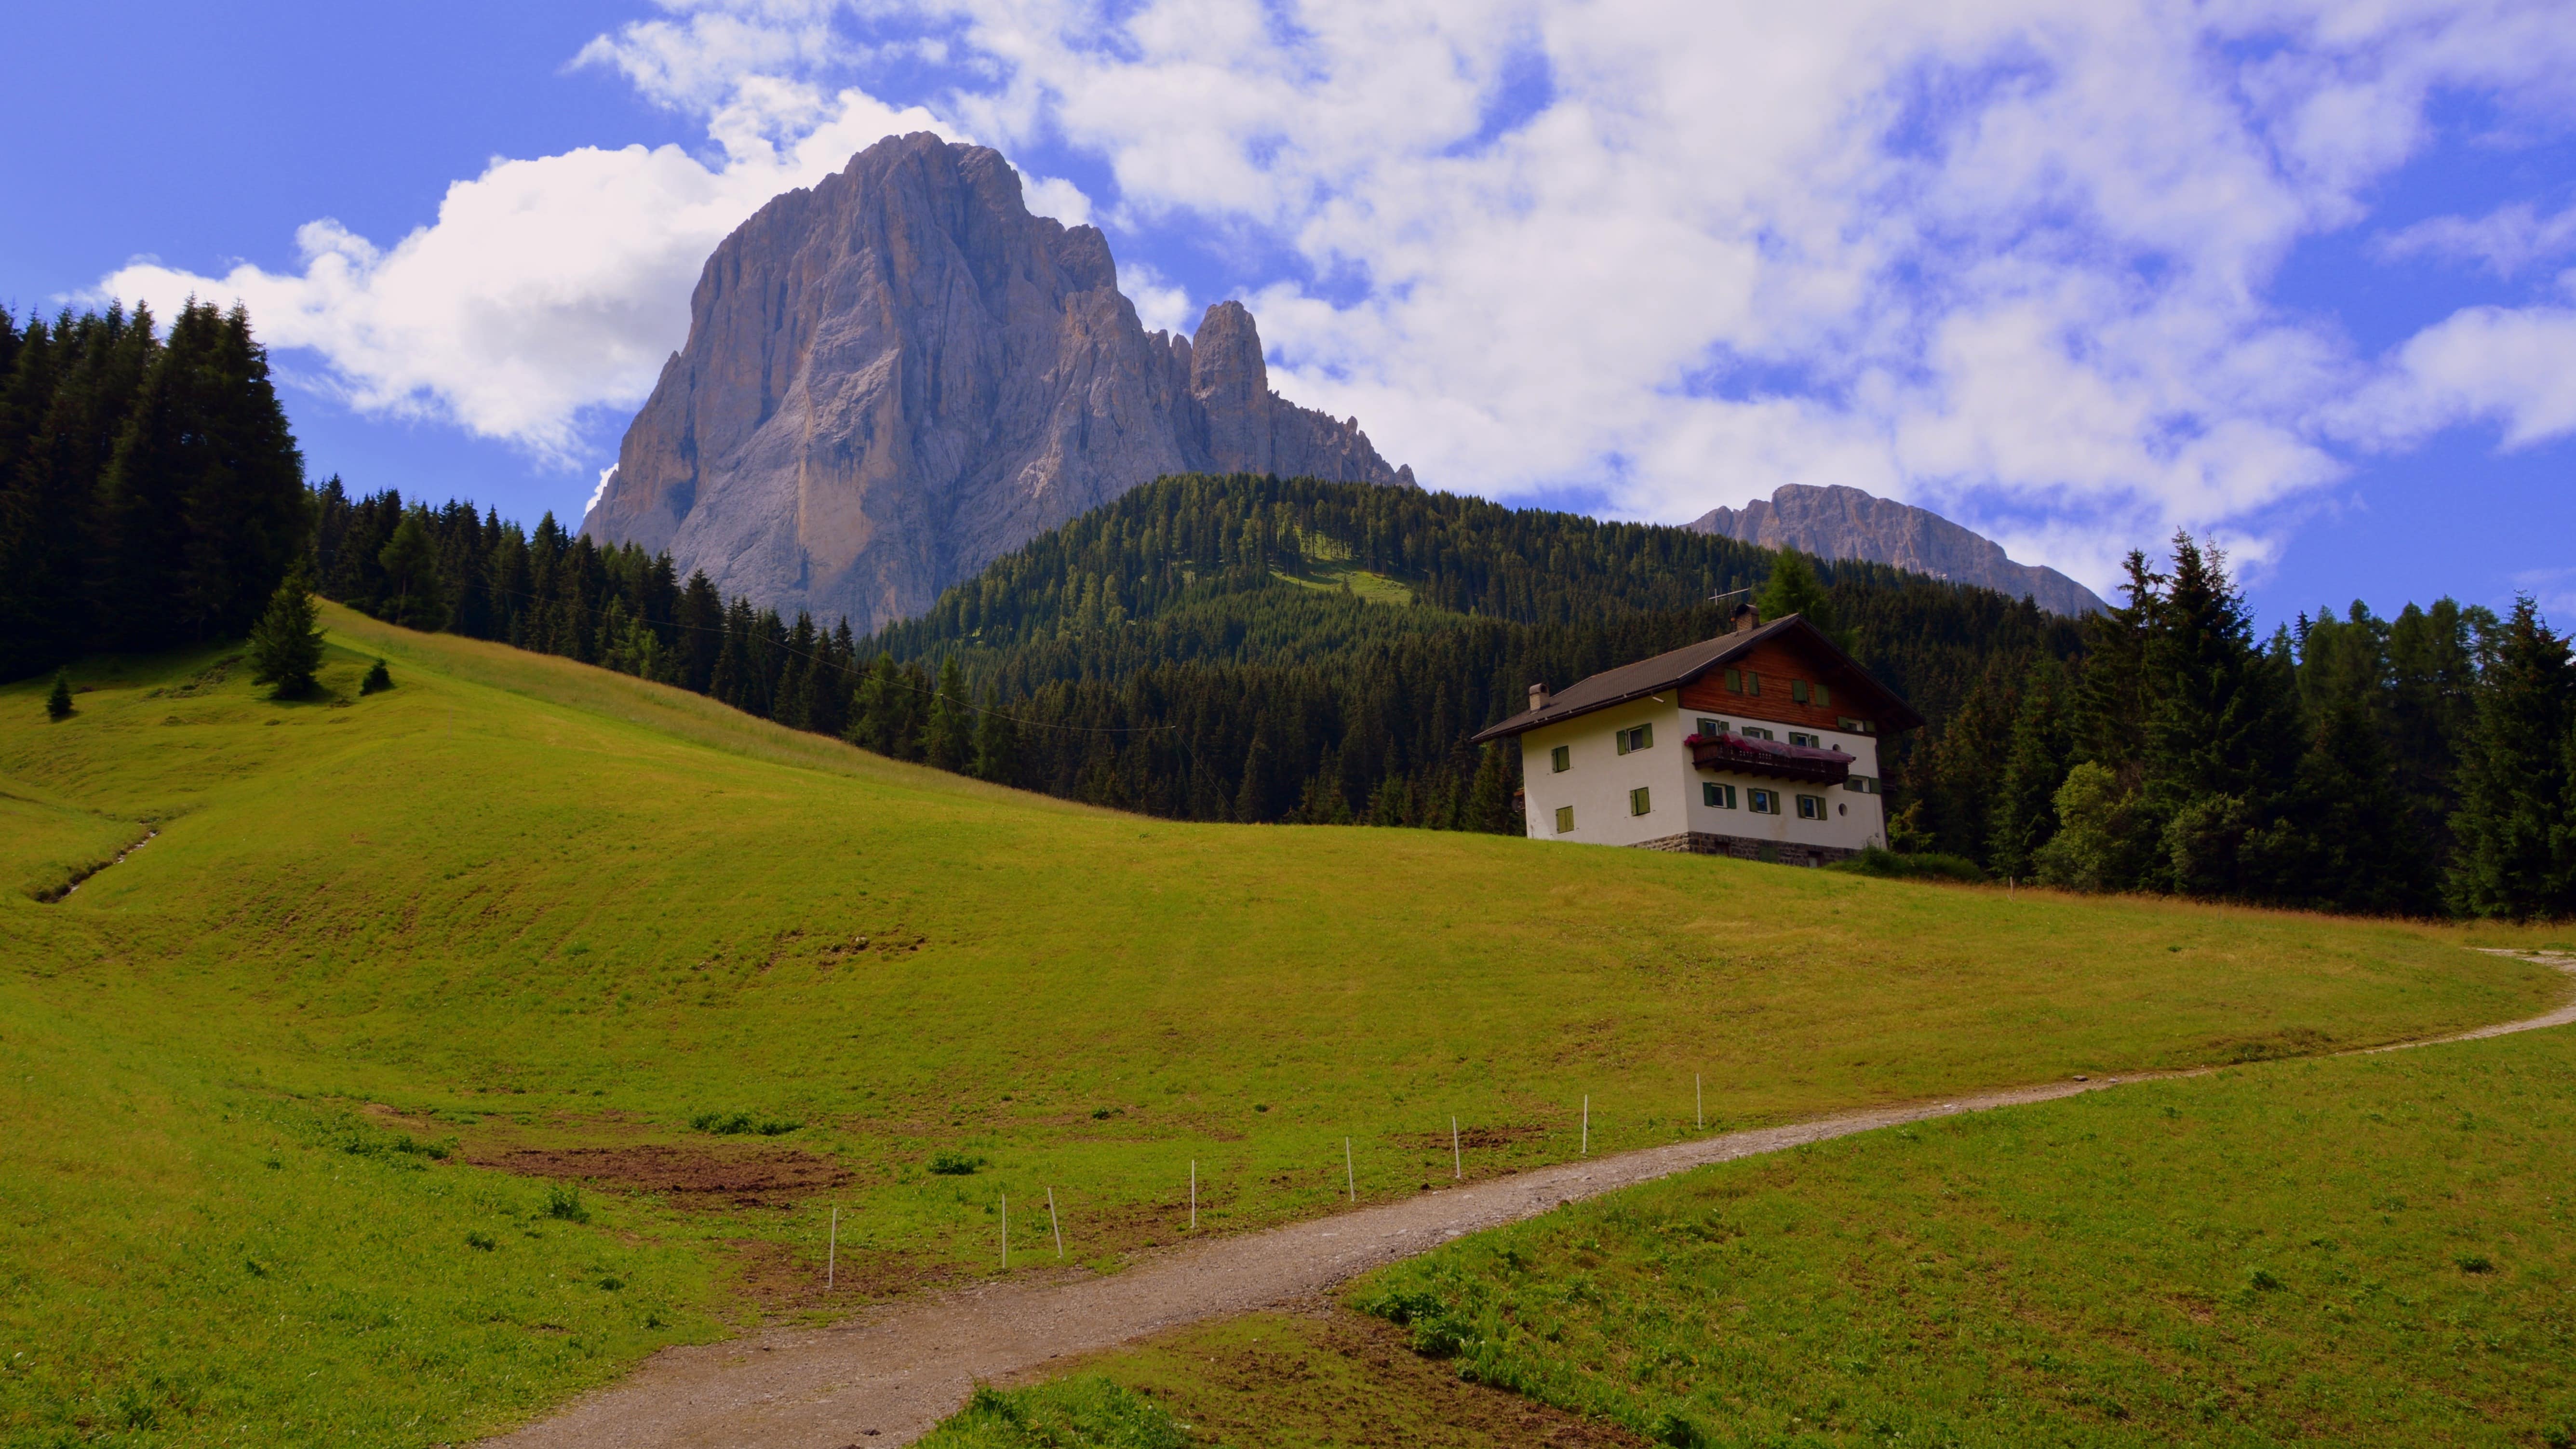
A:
[(886, 1378)]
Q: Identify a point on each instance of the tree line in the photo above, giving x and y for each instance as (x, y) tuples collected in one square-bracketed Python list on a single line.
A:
[(2418, 765), (151, 493), (1246, 649)]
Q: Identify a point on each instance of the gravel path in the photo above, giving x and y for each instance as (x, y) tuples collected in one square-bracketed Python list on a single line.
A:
[(887, 1377)]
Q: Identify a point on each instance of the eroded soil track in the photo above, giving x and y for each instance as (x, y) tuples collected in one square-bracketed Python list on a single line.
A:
[(885, 1379)]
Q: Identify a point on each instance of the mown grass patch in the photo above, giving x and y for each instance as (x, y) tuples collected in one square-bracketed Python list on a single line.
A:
[(534, 913), (1087, 1412), (2372, 1250)]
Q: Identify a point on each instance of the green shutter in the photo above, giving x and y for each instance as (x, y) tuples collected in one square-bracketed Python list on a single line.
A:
[(1824, 698), (1621, 738), (1645, 737), (1798, 690)]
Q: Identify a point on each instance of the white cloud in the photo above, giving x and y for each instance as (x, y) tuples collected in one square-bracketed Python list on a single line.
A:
[(545, 287), (2505, 241), (2512, 367), (2009, 255)]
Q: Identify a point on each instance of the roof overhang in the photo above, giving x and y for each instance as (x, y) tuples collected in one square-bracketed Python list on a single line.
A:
[(1881, 703)]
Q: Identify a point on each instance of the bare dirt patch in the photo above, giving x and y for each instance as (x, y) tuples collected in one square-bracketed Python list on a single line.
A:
[(760, 1177)]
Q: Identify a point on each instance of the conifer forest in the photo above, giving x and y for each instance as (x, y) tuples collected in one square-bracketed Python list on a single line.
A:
[(1288, 651)]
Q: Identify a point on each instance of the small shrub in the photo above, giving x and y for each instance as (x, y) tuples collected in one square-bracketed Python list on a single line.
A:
[(738, 1124), (1887, 864), (378, 678), (1675, 1428), (58, 704), (2473, 1263), (481, 1241), (1089, 1410), (563, 1200), (954, 1164), (611, 1285)]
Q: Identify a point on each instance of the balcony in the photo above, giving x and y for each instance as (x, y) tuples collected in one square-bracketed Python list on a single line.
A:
[(1739, 755)]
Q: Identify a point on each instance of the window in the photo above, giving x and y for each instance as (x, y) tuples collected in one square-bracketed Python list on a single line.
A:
[(1735, 681), (1861, 784), (1637, 801), (1560, 759), (1564, 819), (1811, 807), (1762, 802), (1855, 726), (1716, 796), (1752, 682), (1641, 737), (1810, 741), (1757, 732), (1710, 729), (1798, 690)]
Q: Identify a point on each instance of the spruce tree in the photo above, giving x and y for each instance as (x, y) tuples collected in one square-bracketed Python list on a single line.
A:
[(286, 643), (2515, 854), (2035, 764), (415, 596), (1793, 588), (2222, 732), (997, 743), (948, 732), (378, 679), (244, 511), (58, 701)]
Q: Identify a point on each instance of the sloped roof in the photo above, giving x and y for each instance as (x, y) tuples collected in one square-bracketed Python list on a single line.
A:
[(1680, 666)]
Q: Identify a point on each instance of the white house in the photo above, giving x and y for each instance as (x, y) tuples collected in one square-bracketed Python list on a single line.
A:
[(1762, 743)]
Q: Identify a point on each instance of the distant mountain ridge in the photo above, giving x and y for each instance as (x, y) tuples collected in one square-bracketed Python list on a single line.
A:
[(899, 375), (1837, 522)]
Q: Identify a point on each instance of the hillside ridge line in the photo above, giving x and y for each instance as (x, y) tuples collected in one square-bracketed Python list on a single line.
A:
[(888, 1377)]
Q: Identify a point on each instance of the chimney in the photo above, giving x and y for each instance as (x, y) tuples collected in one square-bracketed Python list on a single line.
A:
[(1538, 697), (1747, 619)]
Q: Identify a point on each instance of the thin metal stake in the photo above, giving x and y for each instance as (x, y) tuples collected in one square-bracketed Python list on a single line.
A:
[(1457, 1164), (1053, 1223), (1587, 1124), (1349, 1172), (832, 1255)]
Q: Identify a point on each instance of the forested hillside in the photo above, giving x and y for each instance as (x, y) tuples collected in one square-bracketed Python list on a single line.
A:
[(1205, 648), (150, 491)]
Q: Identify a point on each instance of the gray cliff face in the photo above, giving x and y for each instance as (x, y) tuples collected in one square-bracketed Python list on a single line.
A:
[(899, 375), (1847, 523)]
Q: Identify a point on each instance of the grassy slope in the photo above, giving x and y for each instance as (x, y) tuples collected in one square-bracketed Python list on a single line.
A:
[(2375, 1250), (519, 902)]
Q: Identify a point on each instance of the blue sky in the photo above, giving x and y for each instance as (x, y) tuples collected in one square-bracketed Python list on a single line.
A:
[(2299, 277)]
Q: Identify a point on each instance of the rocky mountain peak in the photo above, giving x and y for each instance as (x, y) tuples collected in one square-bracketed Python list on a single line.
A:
[(900, 374), (1843, 522)]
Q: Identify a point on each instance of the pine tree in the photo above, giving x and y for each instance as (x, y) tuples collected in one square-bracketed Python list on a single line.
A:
[(242, 500), (416, 596), (1793, 588), (58, 701), (2222, 734), (286, 644), (997, 743), (2516, 850), (2035, 765), (378, 679), (947, 735)]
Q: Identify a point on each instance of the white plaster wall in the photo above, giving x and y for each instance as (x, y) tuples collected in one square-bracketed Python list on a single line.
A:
[(1852, 819), (1598, 783)]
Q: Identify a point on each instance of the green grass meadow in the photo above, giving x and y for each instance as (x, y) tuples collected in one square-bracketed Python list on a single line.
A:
[(255, 1080), (2369, 1250)]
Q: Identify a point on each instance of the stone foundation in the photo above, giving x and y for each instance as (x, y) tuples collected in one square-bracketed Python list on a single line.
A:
[(1778, 852)]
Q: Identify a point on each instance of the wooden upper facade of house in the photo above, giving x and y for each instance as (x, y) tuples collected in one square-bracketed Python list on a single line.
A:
[(1785, 672)]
